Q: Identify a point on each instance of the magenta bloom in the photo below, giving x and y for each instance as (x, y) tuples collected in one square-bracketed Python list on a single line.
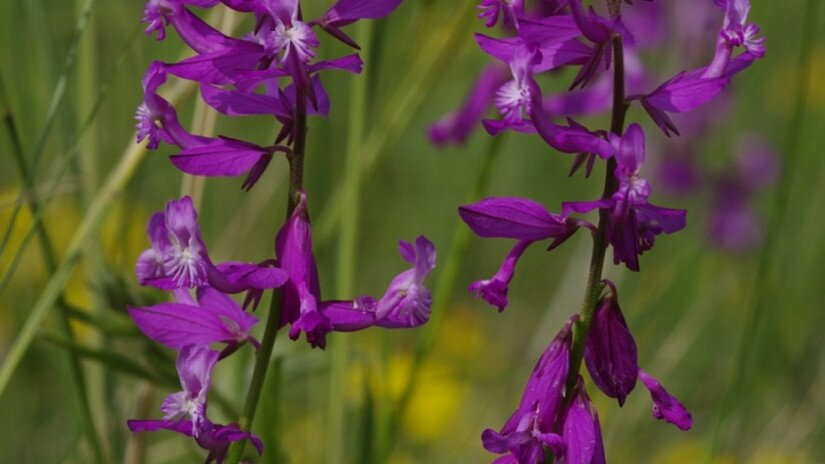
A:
[(185, 411), (665, 406), (406, 303), (610, 351), (214, 318), (456, 127), (178, 257), (634, 222), (509, 10), (533, 425), (515, 218), (581, 430), (611, 358)]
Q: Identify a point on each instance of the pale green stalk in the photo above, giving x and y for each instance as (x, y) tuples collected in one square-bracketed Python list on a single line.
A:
[(347, 250)]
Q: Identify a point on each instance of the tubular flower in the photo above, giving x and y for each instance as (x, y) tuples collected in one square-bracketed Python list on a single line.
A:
[(178, 257), (515, 218), (185, 411), (406, 303), (533, 425)]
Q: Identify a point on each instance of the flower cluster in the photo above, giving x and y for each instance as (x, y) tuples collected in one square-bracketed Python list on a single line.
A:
[(245, 76), (555, 416)]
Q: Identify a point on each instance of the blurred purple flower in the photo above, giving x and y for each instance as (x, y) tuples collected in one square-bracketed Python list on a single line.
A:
[(456, 127)]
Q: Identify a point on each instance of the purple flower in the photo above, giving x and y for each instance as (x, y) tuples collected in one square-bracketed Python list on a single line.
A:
[(681, 94), (610, 351), (215, 318), (516, 218), (178, 257), (214, 438), (185, 411), (734, 223), (194, 365), (494, 290), (456, 127), (633, 222), (156, 119), (735, 32), (665, 406), (533, 425), (406, 303)]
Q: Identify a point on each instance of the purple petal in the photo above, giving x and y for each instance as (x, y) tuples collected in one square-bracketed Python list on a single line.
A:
[(194, 365), (219, 67), (584, 207), (680, 95), (456, 127), (669, 220), (176, 325), (665, 406), (293, 246), (573, 139), (184, 427), (239, 277), (347, 11), (221, 157), (349, 63), (580, 429), (347, 316), (495, 289), (512, 217), (407, 301), (235, 103), (494, 127), (610, 351)]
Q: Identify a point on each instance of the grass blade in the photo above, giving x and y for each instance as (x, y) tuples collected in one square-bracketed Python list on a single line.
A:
[(51, 113)]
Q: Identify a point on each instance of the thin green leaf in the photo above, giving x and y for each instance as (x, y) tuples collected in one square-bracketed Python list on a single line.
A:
[(114, 361)]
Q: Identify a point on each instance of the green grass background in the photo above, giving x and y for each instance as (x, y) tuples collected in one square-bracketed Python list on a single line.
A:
[(742, 349)]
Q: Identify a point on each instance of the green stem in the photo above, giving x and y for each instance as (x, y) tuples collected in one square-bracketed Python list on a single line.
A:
[(347, 250), (594, 277), (273, 319), (445, 288)]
